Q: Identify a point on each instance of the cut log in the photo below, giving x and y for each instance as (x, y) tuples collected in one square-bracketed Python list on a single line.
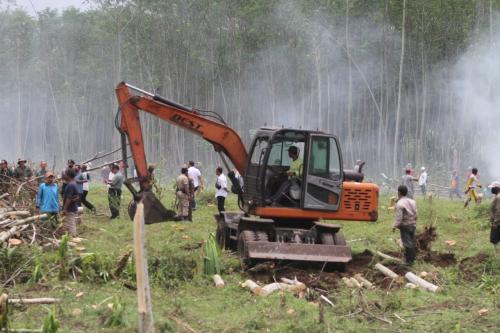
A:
[(34, 300), (30, 219), (348, 282), (272, 287), (421, 282), (364, 282), (254, 287), (219, 283), (386, 256), (20, 213), (355, 283), (386, 271), (6, 234)]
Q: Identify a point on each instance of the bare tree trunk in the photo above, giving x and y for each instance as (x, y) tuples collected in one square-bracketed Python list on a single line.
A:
[(400, 84), (349, 93)]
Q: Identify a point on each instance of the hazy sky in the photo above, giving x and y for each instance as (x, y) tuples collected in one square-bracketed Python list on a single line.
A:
[(37, 5)]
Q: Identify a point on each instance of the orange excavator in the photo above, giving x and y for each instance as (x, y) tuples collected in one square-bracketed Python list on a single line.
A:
[(270, 225)]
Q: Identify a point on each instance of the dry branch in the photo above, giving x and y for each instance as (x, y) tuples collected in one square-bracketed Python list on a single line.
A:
[(45, 300)]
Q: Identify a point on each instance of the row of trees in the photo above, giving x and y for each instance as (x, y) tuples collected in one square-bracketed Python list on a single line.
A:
[(386, 76)]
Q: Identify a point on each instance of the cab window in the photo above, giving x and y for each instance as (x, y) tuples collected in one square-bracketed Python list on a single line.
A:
[(324, 161)]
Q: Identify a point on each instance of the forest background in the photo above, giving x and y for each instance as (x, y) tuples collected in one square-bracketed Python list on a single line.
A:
[(397, 80)]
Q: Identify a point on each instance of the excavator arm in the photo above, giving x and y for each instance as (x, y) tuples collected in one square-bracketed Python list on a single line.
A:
[(224, 139)]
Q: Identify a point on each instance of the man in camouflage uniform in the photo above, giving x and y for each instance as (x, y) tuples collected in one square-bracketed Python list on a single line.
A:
[(182, 194), (5, 175), (22, 172)]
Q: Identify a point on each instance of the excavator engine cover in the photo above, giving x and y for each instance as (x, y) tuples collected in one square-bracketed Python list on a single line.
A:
[(154, 211)]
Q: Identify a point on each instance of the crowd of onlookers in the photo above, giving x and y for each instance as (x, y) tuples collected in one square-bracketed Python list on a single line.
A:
[(65, 193)]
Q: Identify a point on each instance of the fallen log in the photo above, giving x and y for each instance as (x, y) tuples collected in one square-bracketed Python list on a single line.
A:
[(6, 234), (20, 213), (219, 283), (421, 282), (272, 287), (30, 219), (364, 282), (254, 287), (46, 300), (355, 283), (348, 282), (386, 271), (386, 256)]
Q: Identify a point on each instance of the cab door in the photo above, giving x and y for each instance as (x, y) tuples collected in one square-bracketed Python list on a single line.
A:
[(323, 178)]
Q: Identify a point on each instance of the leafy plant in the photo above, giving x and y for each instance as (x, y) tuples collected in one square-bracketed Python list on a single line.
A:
[(62, 253), (50, 323), (116, 316), (211, 258), (37, 273)]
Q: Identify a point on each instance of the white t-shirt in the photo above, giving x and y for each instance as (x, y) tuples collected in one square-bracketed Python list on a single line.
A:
[(110, 177), (86, 185), (194, 174), (222, 181), (422, 180)]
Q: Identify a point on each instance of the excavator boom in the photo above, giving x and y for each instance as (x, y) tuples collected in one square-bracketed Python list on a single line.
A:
[(224, 139)]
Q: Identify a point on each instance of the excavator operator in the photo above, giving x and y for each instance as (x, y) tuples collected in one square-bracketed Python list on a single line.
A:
[(294, 174)]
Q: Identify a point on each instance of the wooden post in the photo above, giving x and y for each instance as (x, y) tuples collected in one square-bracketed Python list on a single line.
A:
[(144, 307)]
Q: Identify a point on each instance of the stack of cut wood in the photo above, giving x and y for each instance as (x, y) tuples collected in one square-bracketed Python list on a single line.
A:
[(20, 226)]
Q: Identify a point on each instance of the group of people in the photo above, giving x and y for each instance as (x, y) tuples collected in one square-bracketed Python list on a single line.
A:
[(409, 179), (406, 207), (189, 183)]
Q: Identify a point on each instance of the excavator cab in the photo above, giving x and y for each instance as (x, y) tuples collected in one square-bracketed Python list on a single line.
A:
[(318, 186)]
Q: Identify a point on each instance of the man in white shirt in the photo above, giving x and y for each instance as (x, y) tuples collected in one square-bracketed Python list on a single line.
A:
[(422, 181), (195, 174), (221, 189)]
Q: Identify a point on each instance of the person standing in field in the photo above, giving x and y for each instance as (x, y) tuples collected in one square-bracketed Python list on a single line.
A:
[(495, 214), (422, 181), (70, 165), (454, 185), (470, 188), (85, 177), (47, 197), (115, 191), (5, 175), (406, 221), (40, 173), (22, 172), (71, 200), (408, 180), (182, 193), (221, 190), (195, 174)]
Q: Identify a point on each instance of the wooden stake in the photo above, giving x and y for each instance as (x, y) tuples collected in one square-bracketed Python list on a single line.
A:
[(144, 307)]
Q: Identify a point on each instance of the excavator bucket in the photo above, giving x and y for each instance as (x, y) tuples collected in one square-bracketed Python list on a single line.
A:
[(154, 211), (299, 252)]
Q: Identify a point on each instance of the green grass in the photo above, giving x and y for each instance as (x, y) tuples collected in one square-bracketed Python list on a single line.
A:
[(180, 290)]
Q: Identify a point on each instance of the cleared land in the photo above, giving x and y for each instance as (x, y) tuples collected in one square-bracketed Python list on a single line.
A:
[(186, 301)]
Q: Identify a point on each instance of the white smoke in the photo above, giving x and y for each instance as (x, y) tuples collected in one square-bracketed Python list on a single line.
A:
[(476, 85)]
